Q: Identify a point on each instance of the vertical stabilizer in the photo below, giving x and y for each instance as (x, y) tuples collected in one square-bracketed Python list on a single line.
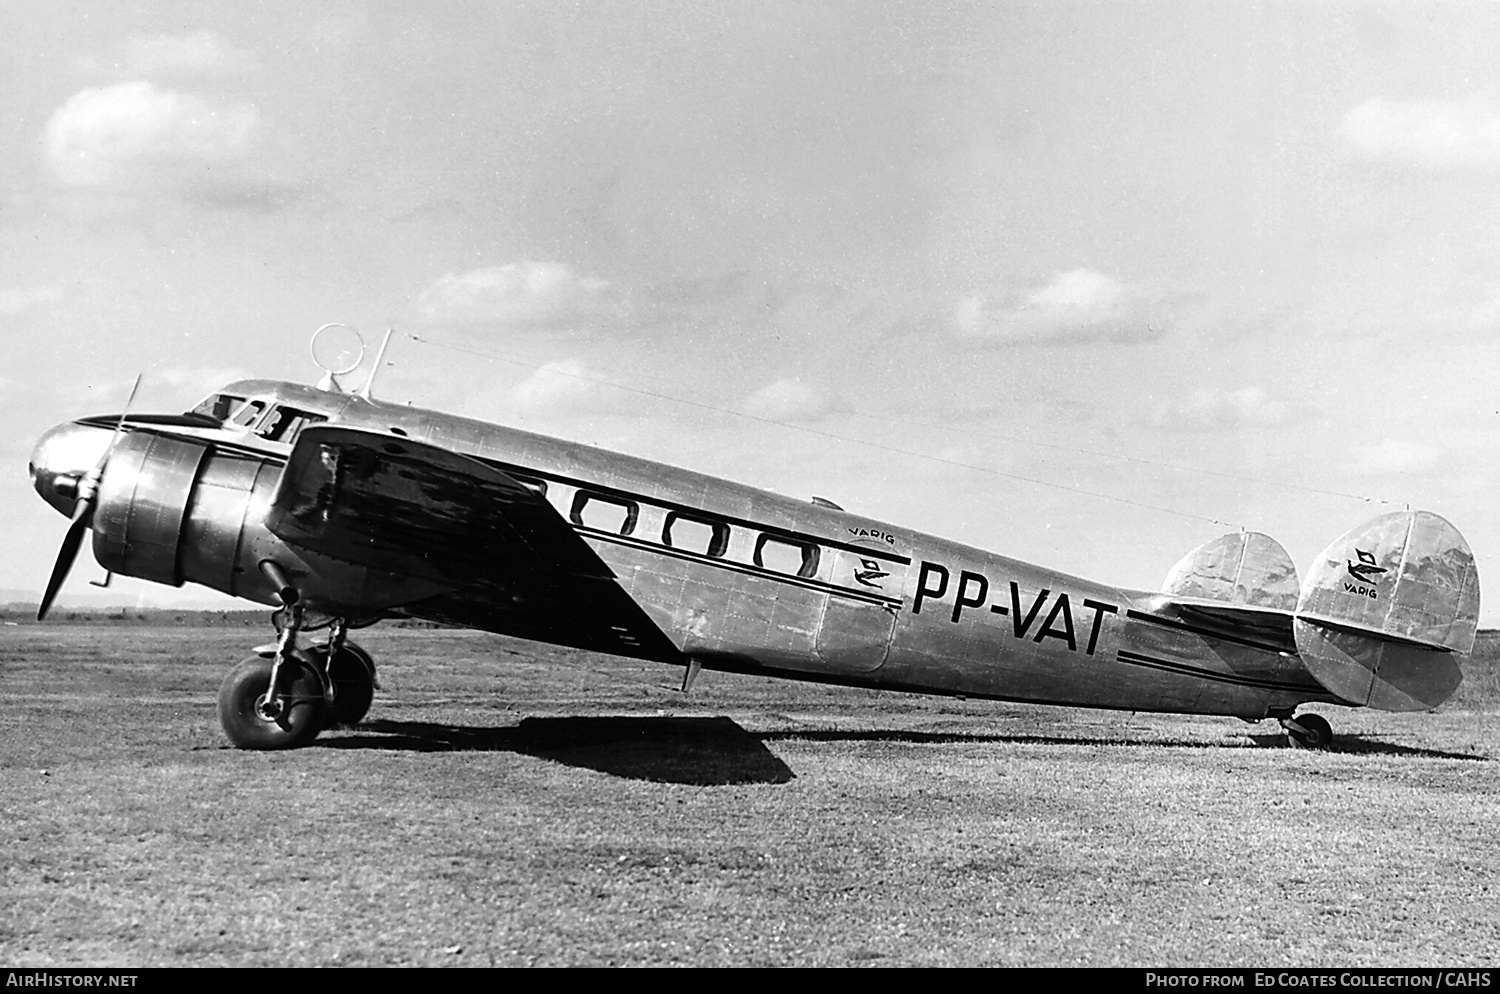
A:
[(1244, 569), (1388, 611)]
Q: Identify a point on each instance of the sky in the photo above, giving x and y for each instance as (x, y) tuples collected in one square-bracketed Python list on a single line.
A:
[(1087, 284)]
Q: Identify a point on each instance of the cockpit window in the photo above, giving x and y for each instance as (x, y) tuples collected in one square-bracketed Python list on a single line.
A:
[(219, 406), (247, 413), (283, 424), (276, 422)]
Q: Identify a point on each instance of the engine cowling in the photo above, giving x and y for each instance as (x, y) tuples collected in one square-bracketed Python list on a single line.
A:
[(174, 510), (143, 502)]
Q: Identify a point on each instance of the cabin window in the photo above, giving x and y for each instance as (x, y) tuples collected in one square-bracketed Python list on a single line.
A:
[(786, 556), (605, 514), (693, 534), (284, 424)]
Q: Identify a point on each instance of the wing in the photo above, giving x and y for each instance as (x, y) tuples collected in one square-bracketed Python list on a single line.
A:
[(513, 564)]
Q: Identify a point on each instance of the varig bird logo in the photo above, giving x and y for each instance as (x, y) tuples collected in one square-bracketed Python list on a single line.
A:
[(1365, 571), (871, 574)]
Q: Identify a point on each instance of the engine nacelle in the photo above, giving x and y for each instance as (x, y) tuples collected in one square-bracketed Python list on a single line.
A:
[(175, 510), (143, 501)]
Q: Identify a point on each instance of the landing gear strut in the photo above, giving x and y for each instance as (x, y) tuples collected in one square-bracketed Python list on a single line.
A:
[(351, 672), (1308, 731), (283, 696)]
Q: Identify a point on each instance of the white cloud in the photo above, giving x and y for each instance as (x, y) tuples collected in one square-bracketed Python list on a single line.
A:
[(519, 295), (1206, 410), (788, 400), (1392, 455), (1080, 305), (136, 137), (566, 384), (1431, 134), (16, 301)]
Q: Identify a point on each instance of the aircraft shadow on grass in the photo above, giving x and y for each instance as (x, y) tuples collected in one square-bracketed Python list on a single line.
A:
[(710, 752), (702, 752), (1363, 745)]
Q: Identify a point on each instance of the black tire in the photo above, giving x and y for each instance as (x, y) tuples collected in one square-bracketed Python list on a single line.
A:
[(301, 717), (353, 674), (1316, 732)]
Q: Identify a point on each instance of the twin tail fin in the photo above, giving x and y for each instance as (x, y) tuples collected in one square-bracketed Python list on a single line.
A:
[(1383, 618), (1388, 611)]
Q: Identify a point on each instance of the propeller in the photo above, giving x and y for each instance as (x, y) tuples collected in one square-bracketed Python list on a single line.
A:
[(83, 513)]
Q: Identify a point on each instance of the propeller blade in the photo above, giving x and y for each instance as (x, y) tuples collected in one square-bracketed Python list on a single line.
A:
[(83, 515), (83, 512), (119, 425)]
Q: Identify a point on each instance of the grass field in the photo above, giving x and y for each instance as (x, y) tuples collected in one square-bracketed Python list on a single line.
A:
[(513, 804)]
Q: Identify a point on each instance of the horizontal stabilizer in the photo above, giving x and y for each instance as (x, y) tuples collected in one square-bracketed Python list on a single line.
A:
[(1388, 610)]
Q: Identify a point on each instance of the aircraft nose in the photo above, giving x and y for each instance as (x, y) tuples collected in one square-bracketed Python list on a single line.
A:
[(61, 459)]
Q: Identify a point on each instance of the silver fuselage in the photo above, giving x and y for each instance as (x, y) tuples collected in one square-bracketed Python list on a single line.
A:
[(742, 579)]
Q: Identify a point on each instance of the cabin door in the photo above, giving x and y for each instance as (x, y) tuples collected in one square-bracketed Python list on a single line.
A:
[(855, 633)]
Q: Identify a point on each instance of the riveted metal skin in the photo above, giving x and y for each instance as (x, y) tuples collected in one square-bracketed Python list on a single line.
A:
[(215, 552)]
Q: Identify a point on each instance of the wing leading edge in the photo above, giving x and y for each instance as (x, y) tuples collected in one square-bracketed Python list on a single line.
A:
[(404, 507)]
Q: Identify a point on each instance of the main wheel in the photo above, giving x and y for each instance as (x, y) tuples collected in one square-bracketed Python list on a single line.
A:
[(252, 721), (353, 674), (1316, 732)]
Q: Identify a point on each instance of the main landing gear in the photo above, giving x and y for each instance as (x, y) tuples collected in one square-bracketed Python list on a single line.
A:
[(283, 696), (1307, 731)]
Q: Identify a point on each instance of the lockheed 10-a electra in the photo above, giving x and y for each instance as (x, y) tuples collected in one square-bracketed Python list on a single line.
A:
[(341, 510)]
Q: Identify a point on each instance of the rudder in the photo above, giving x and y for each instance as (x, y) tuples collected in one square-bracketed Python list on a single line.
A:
[(1387, 612)]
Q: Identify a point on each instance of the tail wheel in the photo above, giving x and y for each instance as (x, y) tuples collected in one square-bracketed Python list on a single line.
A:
[(353, 674), (255, 719), (1309, 731)]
